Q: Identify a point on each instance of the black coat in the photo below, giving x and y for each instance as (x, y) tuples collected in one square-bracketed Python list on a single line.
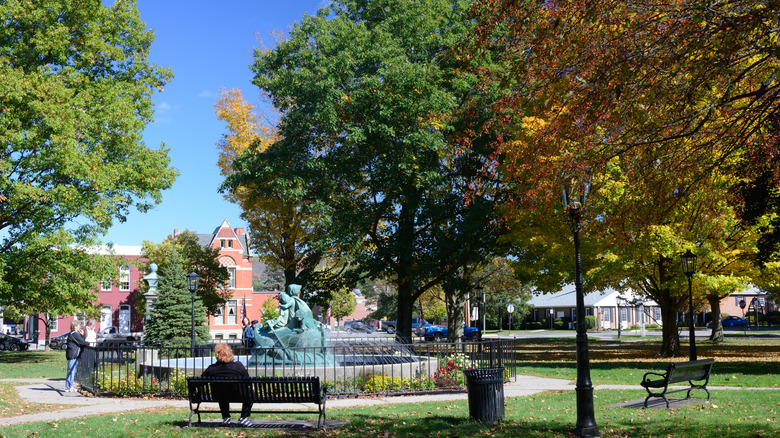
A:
[(229, 369), (75, 343)]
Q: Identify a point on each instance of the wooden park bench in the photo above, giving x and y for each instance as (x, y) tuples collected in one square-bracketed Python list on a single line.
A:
[(275, 390), (696, 373)]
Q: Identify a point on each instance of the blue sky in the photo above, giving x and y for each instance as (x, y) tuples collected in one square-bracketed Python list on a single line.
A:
[(208, 45)]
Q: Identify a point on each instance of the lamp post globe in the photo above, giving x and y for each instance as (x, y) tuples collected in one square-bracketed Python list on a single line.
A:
[(192, 284), (688, 261), (574, 197)]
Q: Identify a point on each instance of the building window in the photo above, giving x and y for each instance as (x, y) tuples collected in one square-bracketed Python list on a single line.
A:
[(55, 323), (225, 243), (657, 313), (106, 317), (219, 316), (623, 314), (231, 283), (231, 312), (607, 314), (124, 278), (105, 285)]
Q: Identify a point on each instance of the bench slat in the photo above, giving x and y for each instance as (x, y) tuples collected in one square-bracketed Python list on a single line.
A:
[(276, 390)]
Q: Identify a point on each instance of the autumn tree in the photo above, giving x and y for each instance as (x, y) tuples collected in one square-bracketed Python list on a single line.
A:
[(434, 304), (269, 309), (172, 315), (367, 139), (193, 256), (75, 96), (665, 104), (282, 225), (342, 304)]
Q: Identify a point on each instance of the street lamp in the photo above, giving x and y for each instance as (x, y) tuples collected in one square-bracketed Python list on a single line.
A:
[(574, 196), (689, 268), (192, 285)]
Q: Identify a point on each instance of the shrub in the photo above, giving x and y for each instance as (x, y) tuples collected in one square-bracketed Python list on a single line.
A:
[(590, 322), (129, 384), (379, 383), (774, 317)]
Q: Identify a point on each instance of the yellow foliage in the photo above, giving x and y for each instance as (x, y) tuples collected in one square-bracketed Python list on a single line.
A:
[(533, 124), (245, 128)]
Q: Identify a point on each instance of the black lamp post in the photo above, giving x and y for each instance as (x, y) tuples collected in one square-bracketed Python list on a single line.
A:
[(192, 285), (689, 268), (574, 197)]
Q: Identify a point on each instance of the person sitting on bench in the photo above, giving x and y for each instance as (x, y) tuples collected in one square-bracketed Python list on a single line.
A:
[(226, 367)]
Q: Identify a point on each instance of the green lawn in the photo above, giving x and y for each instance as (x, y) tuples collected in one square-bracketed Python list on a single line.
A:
[(738, 362), (32, 364), (731, 414)]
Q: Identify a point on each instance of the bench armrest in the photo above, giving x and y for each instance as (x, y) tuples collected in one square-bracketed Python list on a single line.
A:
[(644, 378)]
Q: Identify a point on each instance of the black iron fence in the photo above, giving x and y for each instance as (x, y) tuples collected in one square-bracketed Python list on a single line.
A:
[(348, 367)]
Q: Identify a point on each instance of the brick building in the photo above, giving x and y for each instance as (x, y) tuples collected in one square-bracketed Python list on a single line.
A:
[(236, 255), (120, 309)]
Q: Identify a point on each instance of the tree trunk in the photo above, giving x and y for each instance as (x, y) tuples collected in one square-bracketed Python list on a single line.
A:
[(47, 327), (405, 274), (670, 344), (403, 327), (717, 326), (456, 302)]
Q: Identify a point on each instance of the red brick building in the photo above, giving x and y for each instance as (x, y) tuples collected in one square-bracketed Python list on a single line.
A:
[(236, 255), (117, 300), (120, 309)]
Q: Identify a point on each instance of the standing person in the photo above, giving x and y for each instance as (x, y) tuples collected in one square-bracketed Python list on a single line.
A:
[(226, 367), (250, 334), (75, 343), (90, 335), (244, 328)]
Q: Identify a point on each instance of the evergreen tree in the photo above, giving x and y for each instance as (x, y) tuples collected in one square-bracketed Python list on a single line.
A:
[(172, 314)]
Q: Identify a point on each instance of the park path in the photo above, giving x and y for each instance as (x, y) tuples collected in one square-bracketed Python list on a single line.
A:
[(52, 391)]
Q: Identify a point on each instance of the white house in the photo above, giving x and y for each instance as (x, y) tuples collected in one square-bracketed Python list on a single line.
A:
[(608, 306)]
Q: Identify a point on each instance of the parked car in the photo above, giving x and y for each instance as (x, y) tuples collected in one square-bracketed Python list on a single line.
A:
[(59, 342), (439, 333), (731, 321), (112, 334), (12, 343), (358, 327), (390, 326)]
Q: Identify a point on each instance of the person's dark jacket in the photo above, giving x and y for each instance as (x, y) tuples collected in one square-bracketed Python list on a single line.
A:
[(75, 343), (229, 369)]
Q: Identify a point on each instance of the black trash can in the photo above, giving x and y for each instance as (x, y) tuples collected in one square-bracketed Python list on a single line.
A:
[(486, 394)]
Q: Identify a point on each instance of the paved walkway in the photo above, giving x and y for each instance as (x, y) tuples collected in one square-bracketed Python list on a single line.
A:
[(52, 391)]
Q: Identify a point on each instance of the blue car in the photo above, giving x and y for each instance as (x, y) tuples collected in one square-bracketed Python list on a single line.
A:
[(439, 333), (731, 321)]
